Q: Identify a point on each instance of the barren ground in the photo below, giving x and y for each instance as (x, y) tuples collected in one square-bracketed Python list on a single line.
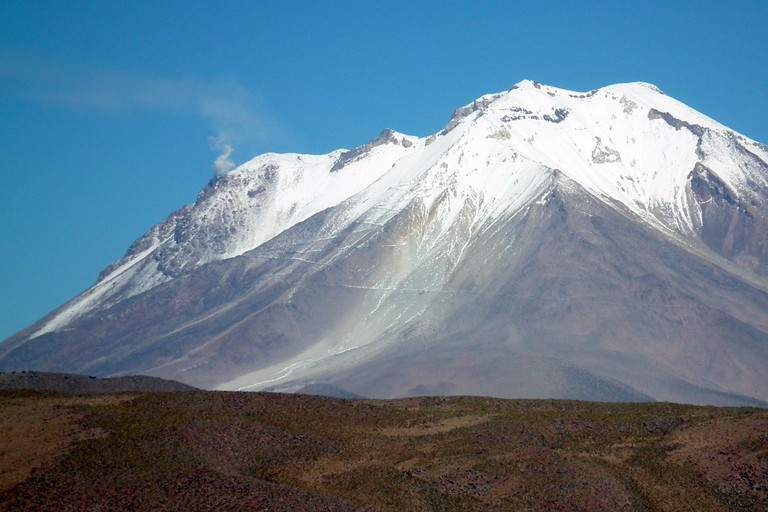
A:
[(251, 451)]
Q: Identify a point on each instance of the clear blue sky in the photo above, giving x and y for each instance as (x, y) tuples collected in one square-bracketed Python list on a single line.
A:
[(110, 110)]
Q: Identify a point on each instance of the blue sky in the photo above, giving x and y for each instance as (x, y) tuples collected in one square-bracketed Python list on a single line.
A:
[(112, 113)]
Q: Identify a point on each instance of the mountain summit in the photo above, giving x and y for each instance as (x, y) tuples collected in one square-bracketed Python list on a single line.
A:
[(609, 245)]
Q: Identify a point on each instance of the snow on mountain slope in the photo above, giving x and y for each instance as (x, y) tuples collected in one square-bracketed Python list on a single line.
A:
[(237, 213), (538, 221), (627, 143), (630, 145)]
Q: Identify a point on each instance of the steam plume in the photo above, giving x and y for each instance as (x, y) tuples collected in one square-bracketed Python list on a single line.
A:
[(222, 165)]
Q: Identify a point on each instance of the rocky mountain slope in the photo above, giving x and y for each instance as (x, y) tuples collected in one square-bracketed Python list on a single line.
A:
[(610, 245)]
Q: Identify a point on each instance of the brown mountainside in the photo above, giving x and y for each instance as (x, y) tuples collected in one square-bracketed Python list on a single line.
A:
[(254, 451)]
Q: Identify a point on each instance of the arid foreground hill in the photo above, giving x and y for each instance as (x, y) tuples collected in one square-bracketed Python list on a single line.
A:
[(250, 451)]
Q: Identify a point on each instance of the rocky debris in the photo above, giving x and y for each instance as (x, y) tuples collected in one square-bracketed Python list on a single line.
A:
[(602, 154), (156, 235), (517, 113), (559, 115), (676, 123), (502, 134), (461, 113), (386, 136), (586, 95), (629, 105), (730, 225), (709, 187)]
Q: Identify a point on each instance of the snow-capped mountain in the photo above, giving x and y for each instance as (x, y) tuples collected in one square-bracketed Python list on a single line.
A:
[(608, 245)]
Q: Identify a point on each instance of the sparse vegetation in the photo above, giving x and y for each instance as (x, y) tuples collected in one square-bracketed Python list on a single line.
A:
[(244, 451)]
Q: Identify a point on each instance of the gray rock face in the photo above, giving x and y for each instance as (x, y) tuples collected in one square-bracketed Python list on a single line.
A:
[(468, 268), (734, 228)]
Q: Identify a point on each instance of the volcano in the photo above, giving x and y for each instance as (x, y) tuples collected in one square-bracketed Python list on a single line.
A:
[(609, 245)]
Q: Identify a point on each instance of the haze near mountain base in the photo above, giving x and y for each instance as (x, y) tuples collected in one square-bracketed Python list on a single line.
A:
[(610, 245)]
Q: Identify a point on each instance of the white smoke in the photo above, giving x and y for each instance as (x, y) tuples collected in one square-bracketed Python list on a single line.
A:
[(222, 165), (229, 107)]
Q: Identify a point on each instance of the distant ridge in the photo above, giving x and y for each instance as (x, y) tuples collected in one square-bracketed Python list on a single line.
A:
[(328, 390), (83, 384)]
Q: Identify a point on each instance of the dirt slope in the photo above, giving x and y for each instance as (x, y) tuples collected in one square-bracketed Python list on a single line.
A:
[(251, 451)]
